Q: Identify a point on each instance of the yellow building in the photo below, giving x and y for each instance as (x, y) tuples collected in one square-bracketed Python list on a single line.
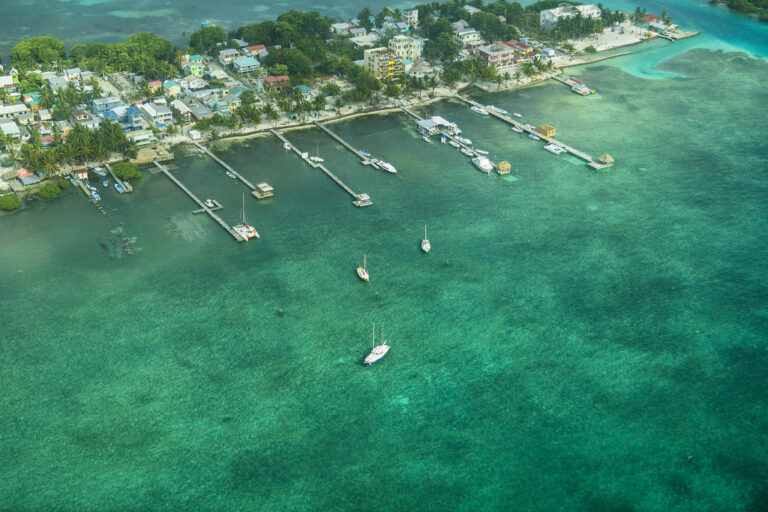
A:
[(406, 47), (383, 63), (546, 130)]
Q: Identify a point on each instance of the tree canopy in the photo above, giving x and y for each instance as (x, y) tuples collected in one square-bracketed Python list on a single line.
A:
[(37, 50), (206, 38)]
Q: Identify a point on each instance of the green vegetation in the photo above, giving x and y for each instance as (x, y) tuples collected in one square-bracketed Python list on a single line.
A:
[(206, 39), (143, 53), (49, 190), (126, 171), (758, 8), (37, 50), (590, 49), (9, 202)]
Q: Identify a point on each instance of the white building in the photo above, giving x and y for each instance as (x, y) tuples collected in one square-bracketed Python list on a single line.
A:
[(406, 47), (411, 17), (468, 38), (227, 56), (158, 115), (548, 18)]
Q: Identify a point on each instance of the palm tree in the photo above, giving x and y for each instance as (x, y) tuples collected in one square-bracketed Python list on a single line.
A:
[(130, 150), (49, 162), (14, 156)]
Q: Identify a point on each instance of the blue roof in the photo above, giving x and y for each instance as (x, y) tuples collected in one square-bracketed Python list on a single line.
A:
[(111, 115), (246, 62), (303, 88), (133, 110), (237, 90), (169, 83)]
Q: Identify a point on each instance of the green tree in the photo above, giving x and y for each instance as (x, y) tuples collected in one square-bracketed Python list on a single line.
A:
[(37, 50), (330, 89), (207, 38), (364, 17), (9, 202), (247, 97), (49, 190), (126, 171)]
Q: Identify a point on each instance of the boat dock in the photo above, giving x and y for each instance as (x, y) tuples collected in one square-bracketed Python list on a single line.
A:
[(592, 162), (126, 186), (411, 113), (367, 160), (227, 167), (359, 199), (216, 207), (204, 208), (571, 82)]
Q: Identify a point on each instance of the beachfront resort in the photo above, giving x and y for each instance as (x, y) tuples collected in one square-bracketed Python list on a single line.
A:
[(101, 110)]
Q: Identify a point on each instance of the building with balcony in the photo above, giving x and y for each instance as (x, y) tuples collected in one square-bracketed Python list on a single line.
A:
[(383, 63), (406, 47)]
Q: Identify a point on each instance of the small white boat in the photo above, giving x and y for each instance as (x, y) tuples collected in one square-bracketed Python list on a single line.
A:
[(231, 175), (378, 351), (362, 271), (119, 188), (517, 129), (95, 195), (105, 183), (209, 203), (467, 151), (534, 136), (481, 152), (365, 153), (483, 164), (497, 109), (388, 167), (99, 171), (479, 111), (287, 147), (454, 143), (425, 245), (516, 114), (554, 148), (243, 229), (426, 139), (91, 187), (464, 140), (316, 159)]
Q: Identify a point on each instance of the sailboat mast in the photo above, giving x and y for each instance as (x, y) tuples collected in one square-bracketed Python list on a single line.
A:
[(243, 208), (373, 332)]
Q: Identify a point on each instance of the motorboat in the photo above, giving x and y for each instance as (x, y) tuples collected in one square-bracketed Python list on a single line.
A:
[(516, 114), (231, 175), (105, 182), (481, 152), (479, 111), (454, 143), (365, 153), (387, 167), (464, 140), (95, 195), (362, 271), (554, 148), (467, 151), (316, 159), (497, 109), (425, 245), (209, 203), (119, 188), (99, 171), (378, 351), (426, 139), (534, 136), (287, 147), (73, 181), (483, 164), (517, 129)]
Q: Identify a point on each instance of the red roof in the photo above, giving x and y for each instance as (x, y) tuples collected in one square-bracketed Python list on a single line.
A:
[(257, 48), (23, 172), (650, 18), (156, 83), (517, 44), (276, 79)]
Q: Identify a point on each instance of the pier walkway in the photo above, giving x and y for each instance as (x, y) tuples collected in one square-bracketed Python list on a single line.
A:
[(126, 186), (592, 162), (359, 199), (204, 208), (367, 160), (227, 167), (411, 113)]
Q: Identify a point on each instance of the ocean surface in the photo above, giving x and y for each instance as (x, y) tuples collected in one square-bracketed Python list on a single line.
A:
[(575, 340)]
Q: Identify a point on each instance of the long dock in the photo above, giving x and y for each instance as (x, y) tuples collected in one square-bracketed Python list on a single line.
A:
[(226, 166), (126, 186), (592, 162), (411, 113), (192, 196), (367, 160), (359, 199)]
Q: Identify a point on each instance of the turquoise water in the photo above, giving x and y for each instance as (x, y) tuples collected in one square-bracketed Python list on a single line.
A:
[(574, 341)]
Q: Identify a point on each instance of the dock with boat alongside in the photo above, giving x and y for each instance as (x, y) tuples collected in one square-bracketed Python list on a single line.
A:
[(358, 199), (366, 159), (228, 168), (575, 85), (200, 203), (126, 186), (602, 163)]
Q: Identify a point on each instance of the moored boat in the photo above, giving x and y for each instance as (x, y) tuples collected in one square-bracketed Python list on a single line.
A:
[(516, 114), (95, 195), (454, 143), (467, 151), (73, 181), (388, 167), (243, 229), (483, 164), (481, 152), (497, 109), (287, 147), (365, 153), (362, 271), (98, 171), (378, 351), (554, 148), (231, 175), (209, 203), (464, 140), (119, 188), (425, 245), (479, 111), (105, 183), (426, 139), (517, 129), (534, 136), (316, 159)]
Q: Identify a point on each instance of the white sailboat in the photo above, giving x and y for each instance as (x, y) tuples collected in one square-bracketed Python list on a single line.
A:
[(317, 158), (425, 245), (243, 229), (378, 351), (362, 271)]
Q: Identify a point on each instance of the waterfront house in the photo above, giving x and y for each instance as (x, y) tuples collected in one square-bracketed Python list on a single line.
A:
[(651, 18), (246, 64), (81, 174), (26, 177), (277, 82), (172, 88), (233, 102), (227, 56), (154, 86), (498, 55), (158, 115), (200, 111), (520, 47), (383, 63), (128, 117), (548, 18), (103, 104)]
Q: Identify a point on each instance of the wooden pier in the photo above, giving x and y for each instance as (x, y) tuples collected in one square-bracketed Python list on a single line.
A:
[(204, 208), (216, 207), (126, 186), (367, 160), (226, 166), (359, 199), (592, 162)]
